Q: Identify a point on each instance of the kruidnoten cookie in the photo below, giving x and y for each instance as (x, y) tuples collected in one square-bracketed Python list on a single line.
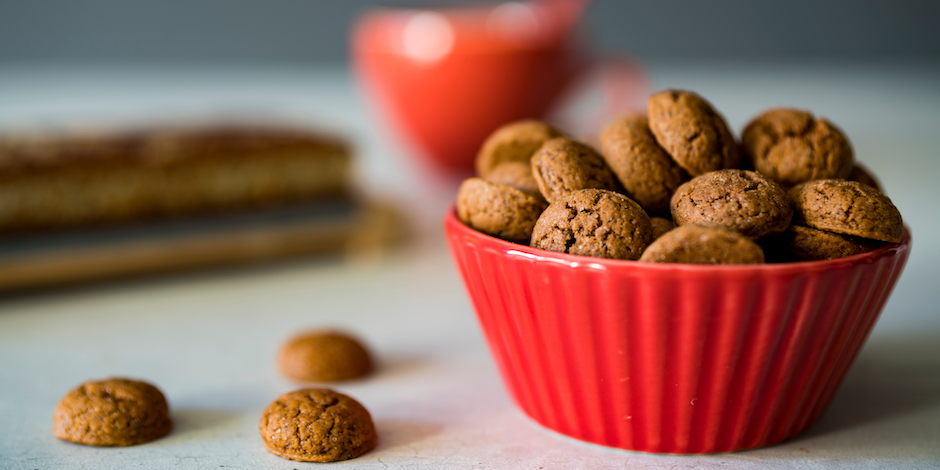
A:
[(790, 146), (661, 225), (514, 142), (741, 200), (112, 412), (515, 174), (317, 425), (681, 156), (692, 132), (594, 222), (798, 243), (648, 174), (847, 207), (703, 244), (322, 356), (562, 165), (498, 210)]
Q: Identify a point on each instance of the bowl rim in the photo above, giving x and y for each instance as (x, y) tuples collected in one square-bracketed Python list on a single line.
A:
[(453, 224)]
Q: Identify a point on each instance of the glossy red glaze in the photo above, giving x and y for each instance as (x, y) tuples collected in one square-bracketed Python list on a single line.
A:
[(667, 357), (446, 106)]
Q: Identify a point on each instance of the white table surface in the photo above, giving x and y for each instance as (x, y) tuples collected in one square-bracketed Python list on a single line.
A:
[(208, 339)]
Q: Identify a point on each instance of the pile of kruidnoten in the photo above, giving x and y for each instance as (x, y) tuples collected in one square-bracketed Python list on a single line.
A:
[(675, 186), (307, 425)]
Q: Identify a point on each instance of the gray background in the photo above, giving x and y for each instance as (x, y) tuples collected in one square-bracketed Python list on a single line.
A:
[(303, 31)]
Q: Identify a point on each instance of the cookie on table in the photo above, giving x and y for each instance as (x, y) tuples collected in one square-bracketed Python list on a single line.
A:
[(798, 243), (703, 244), (112, 412), (790, 146), (742, 200), (498, 210), (513, 142), (862, 175), (594, 222), (661, 225), (562, 165), (648, 174), (692, 132), (846, 207), (516, 174), (322, 356), (317, 425)]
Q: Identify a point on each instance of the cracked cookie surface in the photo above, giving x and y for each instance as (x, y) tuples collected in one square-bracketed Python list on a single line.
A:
[(514, 142), (648, 174), (847, 207), (498, 210), (790, 146), (703, 244), (594, 222), (516, 174), (692, 132), (323, 355), (562, 166), (112, 412), (317, 425), (741, 200)]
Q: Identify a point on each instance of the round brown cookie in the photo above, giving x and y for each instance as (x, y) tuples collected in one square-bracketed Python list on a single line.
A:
[(112, 412), (515, 174), (317, 425), (661, 225), (648, 174), (498, 210), (323, 355), (692, 132), (513, 142), (741, 200), (562, 165), (798, 243), (703, 244), (790, 147), (594, 222), (862, 175), (846, 207)]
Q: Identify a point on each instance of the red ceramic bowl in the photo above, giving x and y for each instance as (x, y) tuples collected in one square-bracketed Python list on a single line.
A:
[(669, 357)]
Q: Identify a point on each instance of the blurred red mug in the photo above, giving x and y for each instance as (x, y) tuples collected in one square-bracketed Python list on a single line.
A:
[(446, 78)]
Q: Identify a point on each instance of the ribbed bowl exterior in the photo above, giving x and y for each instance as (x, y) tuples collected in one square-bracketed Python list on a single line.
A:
[(672, 358)]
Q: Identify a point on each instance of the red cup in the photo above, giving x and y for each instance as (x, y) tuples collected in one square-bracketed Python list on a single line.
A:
[(672, 358), (447, 78)]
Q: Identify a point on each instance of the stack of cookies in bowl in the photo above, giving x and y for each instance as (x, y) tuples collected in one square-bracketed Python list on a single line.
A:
[(674, 186), (677, 291)]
